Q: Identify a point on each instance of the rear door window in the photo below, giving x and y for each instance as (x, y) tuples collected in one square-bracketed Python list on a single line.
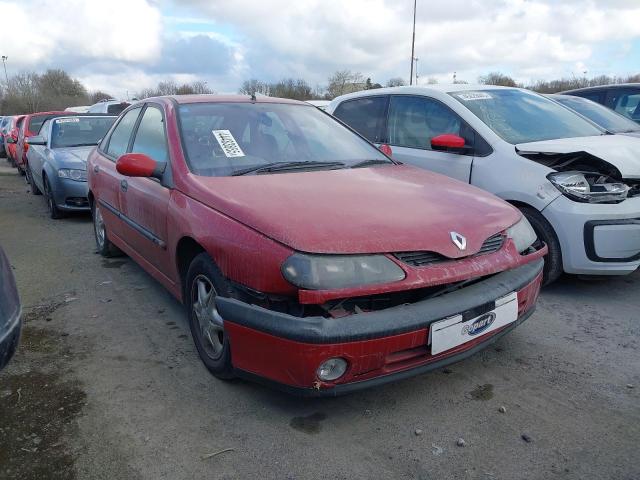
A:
[(150, 137), (119, 140), (365, 115)]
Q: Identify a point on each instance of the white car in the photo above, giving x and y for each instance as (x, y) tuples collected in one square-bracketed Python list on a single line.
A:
[(111, 107), (578, 186)]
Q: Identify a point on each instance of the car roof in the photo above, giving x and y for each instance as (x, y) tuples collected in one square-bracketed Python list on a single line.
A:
[(425, 89), (612, 86), (214, 98)]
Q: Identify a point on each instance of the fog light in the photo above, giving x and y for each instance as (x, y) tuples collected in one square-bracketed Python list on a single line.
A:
[(332, 369)]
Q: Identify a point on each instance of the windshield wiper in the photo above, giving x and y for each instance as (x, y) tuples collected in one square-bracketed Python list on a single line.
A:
[(281, 166), (371, 161)]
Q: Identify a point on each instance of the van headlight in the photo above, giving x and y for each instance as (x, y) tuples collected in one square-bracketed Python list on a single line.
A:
[(589, 187), (332, 272), (522, 234)]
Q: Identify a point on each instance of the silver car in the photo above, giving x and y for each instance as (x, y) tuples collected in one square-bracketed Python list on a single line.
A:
[(578, 185), (57, 160)]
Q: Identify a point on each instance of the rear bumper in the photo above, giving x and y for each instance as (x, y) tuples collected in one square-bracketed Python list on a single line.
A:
[(380, 347)]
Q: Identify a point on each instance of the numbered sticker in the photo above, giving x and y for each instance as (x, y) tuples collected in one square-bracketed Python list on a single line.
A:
[(67, 120), (467, 96), (227, 143)]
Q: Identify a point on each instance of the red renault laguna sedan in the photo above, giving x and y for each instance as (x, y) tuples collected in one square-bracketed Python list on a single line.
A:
[(305, 257)]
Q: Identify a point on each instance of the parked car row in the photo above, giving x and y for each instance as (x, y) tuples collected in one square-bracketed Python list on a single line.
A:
[(325, 253)]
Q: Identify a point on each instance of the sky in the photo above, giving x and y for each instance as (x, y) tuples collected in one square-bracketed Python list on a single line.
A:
[(122, 46)]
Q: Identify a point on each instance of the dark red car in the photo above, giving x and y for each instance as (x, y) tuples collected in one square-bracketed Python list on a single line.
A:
[(305, 257), (11, 138), (29, 127)]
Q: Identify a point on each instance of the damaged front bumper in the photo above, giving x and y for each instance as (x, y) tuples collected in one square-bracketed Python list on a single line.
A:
[(380, 347), (597, 239)]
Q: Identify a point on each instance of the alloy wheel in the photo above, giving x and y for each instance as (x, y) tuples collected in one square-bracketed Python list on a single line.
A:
[(210, 323)]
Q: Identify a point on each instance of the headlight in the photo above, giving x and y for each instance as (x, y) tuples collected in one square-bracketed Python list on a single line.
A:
[(73, 174), (522, 234), (589, 187), (330, 272)]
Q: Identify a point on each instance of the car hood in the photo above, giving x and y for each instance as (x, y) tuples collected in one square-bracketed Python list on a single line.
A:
[(73, 157), (621, 151), (361, 210)]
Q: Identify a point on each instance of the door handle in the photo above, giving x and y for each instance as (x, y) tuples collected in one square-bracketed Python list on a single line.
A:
[(124, 185), (96, 169)]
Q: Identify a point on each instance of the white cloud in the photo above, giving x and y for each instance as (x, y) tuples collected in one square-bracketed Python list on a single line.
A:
[(312, 38), (36, 31)]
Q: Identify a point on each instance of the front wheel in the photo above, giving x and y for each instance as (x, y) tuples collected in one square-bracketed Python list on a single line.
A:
[(54, 212), (103, 244), (203, 283), (34, 188), (545, 232)]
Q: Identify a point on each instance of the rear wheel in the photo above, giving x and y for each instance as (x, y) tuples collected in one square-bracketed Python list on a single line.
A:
[(553, 260), (203, 283), (54, 211), (103, 244)]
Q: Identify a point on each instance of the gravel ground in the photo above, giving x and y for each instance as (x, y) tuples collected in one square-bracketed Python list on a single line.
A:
[(107, 385)]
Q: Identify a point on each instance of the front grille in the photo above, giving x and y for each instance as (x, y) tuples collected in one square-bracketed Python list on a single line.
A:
[(422, 259)]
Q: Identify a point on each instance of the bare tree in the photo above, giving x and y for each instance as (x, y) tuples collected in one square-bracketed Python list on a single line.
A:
[(97, 96), (253, 86), (497, 78), (396, 82), (344, 81)]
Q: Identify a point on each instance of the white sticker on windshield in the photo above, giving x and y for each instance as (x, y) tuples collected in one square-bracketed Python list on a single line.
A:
[(467, 96), (67, 120), (228, 144)]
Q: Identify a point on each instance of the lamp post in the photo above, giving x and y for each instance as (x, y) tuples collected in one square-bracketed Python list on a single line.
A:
[(6, 77), (416, 59), (413, 42)]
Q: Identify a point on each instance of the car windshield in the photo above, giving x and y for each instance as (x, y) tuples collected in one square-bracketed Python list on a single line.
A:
[(223, 139), (79, 131), (603, 116), (518, 116)]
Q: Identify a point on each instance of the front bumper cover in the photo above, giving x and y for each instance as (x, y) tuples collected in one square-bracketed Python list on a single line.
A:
[(283, 350)]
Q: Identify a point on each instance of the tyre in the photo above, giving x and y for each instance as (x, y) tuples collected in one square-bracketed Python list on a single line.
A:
[(553, 260), (203, 283), (34, 188), (54, 212), (103, 244)]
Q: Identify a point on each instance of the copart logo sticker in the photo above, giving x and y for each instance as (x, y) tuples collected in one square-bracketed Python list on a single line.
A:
[(479, 325), (227, 143)]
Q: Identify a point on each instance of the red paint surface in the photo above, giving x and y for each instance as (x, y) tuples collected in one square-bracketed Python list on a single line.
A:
[(12, 132), (447, 140), (295, 364), (25, 132), (136, 165)]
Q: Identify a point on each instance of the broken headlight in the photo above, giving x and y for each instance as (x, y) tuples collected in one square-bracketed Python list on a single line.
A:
[(330, 272), (589, 187), (522, 234)]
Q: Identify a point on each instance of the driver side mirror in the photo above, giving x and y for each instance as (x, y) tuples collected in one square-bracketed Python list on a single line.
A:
[(448, 142), (36, 140), (140, 165)]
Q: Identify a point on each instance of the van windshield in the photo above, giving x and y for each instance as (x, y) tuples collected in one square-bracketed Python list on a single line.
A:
[(519, 116)]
